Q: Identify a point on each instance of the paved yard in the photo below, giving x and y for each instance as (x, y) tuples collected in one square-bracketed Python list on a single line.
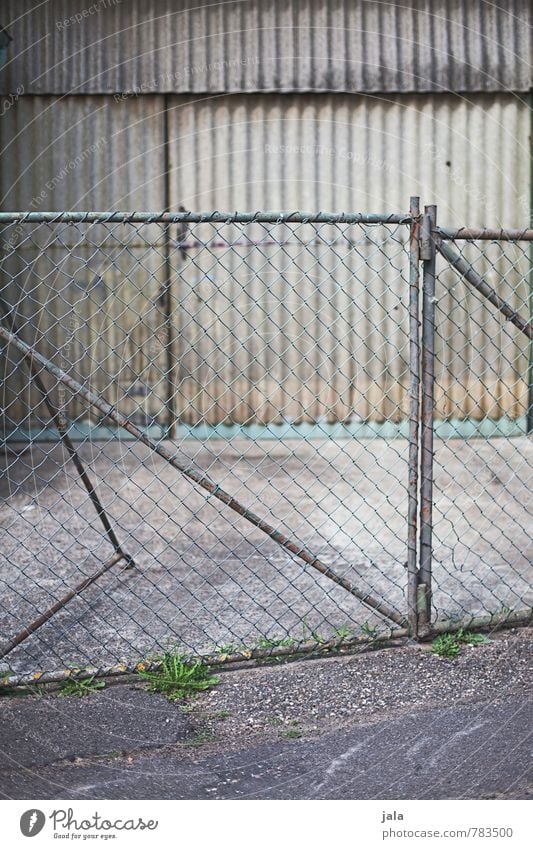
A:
[(206, 577)]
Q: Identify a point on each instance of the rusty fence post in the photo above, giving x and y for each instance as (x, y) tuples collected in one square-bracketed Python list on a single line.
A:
[(167, 295), (428, 256), (414, 413)]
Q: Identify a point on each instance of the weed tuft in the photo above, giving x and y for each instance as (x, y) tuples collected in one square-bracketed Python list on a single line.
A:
[(449, 645), (200, 740), (178, 679), (81, 686), (343, 633), (217, 714), (229, 648), (292, 733), (272, 643), (370, 631), (308, 630), (446, 646), (470, 638)]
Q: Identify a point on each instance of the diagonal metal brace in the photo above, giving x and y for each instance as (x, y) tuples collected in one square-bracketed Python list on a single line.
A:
[(74, 456), (28, 630), (202, 480), (465, 270)]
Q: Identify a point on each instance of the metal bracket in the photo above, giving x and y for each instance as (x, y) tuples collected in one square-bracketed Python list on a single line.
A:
[(426, 238), (422, 610)]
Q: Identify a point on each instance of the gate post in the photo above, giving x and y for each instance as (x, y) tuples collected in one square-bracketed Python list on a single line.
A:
[(428, 255), (414, 413)]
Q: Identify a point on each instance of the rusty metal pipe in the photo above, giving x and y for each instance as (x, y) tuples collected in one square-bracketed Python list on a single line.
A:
[(428, 253), (414, 413), (44, 617), (114, 217), (465, 270), (74, 456), (484, 234)]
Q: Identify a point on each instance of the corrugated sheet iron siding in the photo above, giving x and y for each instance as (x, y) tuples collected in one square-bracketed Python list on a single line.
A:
[(470, 156), (290, 45), (82, 152)]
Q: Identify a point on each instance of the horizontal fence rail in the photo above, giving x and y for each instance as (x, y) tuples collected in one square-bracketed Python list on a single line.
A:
[(473, 234), (205, 217)]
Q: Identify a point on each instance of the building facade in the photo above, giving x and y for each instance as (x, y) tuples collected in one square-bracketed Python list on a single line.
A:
[(348, 105)]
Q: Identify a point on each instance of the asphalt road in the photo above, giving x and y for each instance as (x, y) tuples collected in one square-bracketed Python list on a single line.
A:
[(390, 724), (478, 751)]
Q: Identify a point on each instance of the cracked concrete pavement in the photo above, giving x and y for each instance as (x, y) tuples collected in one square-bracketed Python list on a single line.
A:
[(393, 723)]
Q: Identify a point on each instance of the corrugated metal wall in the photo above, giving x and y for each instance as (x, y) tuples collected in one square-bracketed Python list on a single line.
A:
[(268, 45), (330, 152), (470, 155), (108, 93), (82, 153)]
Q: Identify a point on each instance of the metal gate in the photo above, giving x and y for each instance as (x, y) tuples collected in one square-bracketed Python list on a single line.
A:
[(219, 434), (476, 539)]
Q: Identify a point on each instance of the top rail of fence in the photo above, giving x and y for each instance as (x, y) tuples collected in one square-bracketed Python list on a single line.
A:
[(496, 234), (206, 217), (266, 217)]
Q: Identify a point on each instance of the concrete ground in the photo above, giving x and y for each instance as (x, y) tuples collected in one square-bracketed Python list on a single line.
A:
[(204, 577), (396, 723)]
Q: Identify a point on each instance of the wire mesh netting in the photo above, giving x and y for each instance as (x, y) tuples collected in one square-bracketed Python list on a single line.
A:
[(270, 357), (208, 441), (482, 543)]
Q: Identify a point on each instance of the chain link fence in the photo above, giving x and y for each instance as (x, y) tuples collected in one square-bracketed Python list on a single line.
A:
[(482, 558), (218, 435)]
